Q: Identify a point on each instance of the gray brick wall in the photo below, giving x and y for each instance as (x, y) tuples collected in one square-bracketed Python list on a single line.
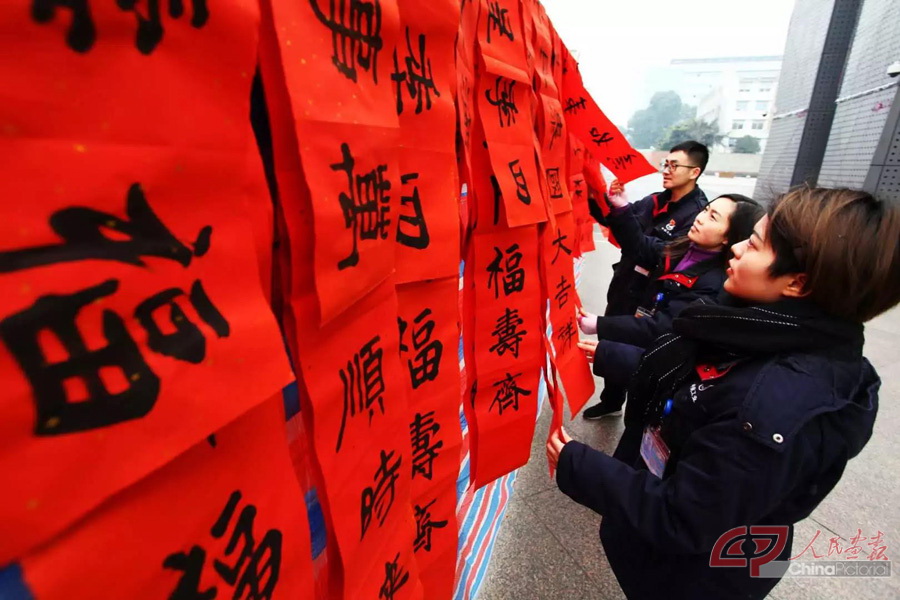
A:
[(858, 123), (802, 53)]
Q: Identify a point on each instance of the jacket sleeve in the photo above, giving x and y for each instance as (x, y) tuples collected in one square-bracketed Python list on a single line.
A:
[(596, 212), (641, 332), (644, 250), (724, 479)]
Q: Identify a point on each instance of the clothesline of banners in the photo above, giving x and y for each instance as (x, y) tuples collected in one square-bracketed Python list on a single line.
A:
[(163, 284)]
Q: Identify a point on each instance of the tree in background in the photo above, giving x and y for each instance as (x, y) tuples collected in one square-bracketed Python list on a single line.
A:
[(691, 129), (647, 126), (747, 145)]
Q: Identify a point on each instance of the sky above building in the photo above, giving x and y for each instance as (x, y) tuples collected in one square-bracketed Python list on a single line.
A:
[(618, 43)]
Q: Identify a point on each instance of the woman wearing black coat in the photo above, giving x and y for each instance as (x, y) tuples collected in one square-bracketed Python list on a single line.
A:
[(686, 270), (746, 415)]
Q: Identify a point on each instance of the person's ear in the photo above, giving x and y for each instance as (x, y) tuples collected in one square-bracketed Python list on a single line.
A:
[(695, 172), (795, 286)]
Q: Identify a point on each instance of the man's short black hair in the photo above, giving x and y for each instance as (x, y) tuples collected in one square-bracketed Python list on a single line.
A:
[(697, 152)]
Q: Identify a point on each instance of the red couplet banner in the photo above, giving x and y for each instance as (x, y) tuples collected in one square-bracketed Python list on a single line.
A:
[(225, 519), (133, 309)]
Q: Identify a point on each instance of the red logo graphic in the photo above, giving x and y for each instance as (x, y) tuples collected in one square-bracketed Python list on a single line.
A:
[(768, 543)]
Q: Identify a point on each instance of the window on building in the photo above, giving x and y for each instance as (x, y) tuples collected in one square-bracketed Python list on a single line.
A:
[(737, 125), (758, 125), (762, 105), (742, 105)]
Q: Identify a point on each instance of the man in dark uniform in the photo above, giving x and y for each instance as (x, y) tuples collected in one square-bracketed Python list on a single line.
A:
[(665, 216)]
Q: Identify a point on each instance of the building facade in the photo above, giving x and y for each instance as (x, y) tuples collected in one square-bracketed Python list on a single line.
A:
[(836, 118)]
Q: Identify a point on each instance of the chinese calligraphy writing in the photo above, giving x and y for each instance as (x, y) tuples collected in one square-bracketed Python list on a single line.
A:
[(562, 294), (498, 20), (355, 35), (365, 205), (600, 138), (82, 32), (508, 334), (573, 106), (426, 364), (522, 192), (424, 527), (363, 383), (504, 98), (507, 395), (423, 433), (416, 235), (97, 386), (554, 183), (254, 572), (514, 275), (417, 78), (395, 577), (377, 501)]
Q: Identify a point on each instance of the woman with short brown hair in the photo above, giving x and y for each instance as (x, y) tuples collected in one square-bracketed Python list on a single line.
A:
[(747, 414)]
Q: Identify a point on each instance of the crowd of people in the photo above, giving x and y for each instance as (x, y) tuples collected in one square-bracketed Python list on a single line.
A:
[(733, 336)]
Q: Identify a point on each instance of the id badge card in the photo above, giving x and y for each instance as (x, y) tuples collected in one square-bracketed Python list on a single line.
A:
[(644, 313), (654, 451), (641, 270)]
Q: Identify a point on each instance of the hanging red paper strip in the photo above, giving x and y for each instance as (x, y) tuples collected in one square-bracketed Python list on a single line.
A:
[(337, 61), (352, 372), (557, 253), (356, 402), (425, 82), (429, 337), (240, 528), (508, 349), (505, 109), (134, 310), (596, 131)]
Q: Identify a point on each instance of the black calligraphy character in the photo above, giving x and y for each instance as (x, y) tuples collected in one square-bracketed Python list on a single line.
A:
[(417, 237), (418, 76), (365, 205), (150, 30), (508, 334), (562, 294), (556, 128), (92, 234), (424, 527), (623, 161), (395, 577), (577, 183), (498, 20), (254, 574), (600, 138), (251, 577), (573, 106), (504, 98), (507, 395), (514, 275), (423, 433), (81, 33), (363, 385), (355, 35), (466, 113), (426, 366), (377, 501), (560, 247), (191, 566), (522, 192), (116, 383), (186, 343), (567, 334), (554, 183)]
